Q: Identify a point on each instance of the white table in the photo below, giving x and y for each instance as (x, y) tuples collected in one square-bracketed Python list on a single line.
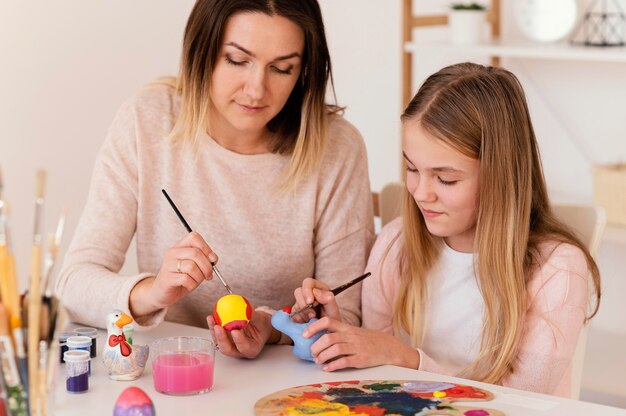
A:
[(240, 383)]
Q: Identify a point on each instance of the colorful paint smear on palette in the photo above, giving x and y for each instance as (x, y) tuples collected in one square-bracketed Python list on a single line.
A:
[(376, 398)]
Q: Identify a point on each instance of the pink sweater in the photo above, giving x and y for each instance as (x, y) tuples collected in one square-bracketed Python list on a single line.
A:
[(557, 297), (267, 242)]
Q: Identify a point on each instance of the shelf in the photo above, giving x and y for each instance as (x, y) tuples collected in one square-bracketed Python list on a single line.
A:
[(526, 49)]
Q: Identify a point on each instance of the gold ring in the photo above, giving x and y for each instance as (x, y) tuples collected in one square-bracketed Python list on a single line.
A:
[(178, 265)]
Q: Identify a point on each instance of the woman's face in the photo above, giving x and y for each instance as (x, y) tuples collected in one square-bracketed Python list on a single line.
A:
[(257, 67), (444, 184)]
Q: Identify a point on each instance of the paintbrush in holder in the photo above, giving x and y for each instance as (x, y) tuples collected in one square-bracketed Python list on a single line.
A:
[(26, 365)]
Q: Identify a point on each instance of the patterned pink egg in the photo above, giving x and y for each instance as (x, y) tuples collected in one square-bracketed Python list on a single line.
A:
[(133, 402)]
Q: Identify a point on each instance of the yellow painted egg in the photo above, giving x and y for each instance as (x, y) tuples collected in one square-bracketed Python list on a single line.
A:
[(232, 312)]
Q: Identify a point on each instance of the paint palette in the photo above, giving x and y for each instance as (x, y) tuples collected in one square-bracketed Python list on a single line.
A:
[(376, 398)]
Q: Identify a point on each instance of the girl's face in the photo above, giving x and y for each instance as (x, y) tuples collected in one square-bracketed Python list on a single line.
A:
[(444, 184), (257, 67)]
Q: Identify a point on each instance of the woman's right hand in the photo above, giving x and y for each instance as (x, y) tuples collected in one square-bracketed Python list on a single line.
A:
[(185, 265), (313, 290)]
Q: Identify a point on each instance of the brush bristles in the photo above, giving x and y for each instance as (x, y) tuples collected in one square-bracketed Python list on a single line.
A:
[(40, 184), (53, 248), (58, 235)]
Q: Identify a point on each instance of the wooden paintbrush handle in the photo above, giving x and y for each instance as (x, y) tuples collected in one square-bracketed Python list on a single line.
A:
[(34, 308)]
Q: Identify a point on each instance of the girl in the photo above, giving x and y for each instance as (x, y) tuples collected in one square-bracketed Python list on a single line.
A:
[(477, 278), (257, 162)]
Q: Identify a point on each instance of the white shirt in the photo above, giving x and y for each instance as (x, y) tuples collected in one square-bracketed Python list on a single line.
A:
[(454, 312)]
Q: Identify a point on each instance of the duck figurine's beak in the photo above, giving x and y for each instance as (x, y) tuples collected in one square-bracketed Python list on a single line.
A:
[(123, 320)]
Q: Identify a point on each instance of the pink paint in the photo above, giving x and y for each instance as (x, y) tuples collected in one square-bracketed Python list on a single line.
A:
[(476, 412), (182, 374)]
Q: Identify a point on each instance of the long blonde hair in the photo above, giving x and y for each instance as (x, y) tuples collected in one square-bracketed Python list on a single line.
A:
[(482, 112), (300, 127)]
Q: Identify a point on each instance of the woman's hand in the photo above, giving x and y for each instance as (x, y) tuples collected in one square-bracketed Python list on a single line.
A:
[(313, 290), (348, 346), (247, 342), (184, 267)]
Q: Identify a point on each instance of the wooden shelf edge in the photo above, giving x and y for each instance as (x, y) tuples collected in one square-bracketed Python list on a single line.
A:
[(522, 49)]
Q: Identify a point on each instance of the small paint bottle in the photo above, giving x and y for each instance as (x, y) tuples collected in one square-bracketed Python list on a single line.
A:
[(128, 330), (63, 336), (79, 342), (77, 370), (91, 333)]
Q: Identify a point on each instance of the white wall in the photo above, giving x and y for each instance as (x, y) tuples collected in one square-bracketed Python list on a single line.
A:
[(65, 68), (365, 43)]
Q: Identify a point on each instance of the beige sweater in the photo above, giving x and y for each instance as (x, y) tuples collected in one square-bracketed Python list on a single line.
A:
[(267, 242)]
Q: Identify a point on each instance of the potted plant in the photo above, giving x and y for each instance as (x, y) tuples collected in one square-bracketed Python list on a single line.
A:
[(467, 22)]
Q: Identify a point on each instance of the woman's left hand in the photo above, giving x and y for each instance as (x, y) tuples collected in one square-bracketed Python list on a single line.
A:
[(348, 346), (245, 343)]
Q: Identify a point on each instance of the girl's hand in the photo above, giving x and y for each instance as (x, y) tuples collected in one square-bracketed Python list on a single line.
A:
[(313, 290), (247, 342), (184, 267), (348, 346)]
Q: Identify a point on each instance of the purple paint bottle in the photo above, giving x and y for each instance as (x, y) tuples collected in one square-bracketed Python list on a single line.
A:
[(79, 342), (77, 370)]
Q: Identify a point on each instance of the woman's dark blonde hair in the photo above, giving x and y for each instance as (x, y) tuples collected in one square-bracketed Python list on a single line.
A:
[(482, 112), (300, 127)]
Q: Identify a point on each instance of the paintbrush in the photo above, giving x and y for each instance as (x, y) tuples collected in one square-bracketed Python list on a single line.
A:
[(17, 402), (34, 296), (54, 242), (180, 217), (8, 287), (4, 250), (11, 299), (52, 250), (317, 307), (42, 377), (18, 338), (3, 396)]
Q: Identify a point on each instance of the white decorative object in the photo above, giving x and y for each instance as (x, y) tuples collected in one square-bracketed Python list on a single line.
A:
[(467, 26), (545, 20), (123, 361)]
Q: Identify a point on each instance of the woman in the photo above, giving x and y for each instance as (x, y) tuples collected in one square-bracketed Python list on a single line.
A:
[(274, 179), (477, 279)]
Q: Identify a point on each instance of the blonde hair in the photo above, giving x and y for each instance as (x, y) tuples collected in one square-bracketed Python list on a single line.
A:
[(300, 127), (482, 112)]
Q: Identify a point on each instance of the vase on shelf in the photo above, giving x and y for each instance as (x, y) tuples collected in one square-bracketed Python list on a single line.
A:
[(545, 20), (603, 24), (467, 23)]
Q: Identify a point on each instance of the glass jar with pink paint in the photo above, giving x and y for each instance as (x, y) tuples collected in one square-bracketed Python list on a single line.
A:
[(183, 366)]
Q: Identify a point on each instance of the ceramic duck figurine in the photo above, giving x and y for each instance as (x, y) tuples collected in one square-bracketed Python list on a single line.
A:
[(123, 361)]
